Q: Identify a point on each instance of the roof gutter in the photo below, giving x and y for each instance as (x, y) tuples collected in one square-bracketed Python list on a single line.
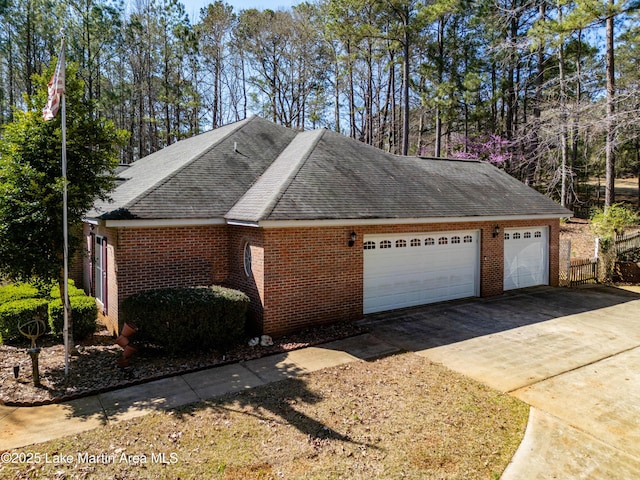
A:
[(156, 223), (388, 221), (341, 222)]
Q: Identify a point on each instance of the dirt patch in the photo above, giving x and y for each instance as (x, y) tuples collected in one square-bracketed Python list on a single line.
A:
[(626, 273), (582, 239)]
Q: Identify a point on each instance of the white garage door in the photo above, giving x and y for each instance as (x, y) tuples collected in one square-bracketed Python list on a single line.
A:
[(526, 257), (418, 268)]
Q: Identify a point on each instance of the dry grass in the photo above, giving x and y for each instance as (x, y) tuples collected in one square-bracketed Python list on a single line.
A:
[(398, 417)]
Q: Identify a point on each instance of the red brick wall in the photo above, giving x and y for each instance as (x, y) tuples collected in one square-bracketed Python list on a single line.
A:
[(253, 284), (171, 257), (144, 258), (300, 277), (312, 277), (76, 263)]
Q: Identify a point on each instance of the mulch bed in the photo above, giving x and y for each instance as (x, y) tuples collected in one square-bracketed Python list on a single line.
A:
[(95, 369)]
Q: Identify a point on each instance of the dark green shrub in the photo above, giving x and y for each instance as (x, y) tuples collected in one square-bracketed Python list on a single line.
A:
[(84, 313), (17, 291), (12, 314), (186, 319)]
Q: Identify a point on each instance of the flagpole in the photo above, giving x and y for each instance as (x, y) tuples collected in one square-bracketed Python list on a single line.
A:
[(65, 227)]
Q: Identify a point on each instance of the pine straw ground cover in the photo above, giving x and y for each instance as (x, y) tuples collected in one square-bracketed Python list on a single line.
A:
[(397, 417)]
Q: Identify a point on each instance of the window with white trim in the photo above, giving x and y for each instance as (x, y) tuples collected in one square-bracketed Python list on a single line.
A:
[(385, 244), (100, 269), (455, 239), (369, 245), (401, 243), (527, 234), (468, 239), (537, 234), (429, 241), (443, 241), (516, 236), (415, 242)]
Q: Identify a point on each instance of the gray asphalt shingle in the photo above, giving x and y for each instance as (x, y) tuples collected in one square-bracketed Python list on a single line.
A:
[(275, 173)]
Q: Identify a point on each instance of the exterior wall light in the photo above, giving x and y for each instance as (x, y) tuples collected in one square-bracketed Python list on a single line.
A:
[(352, 239), (496, 231)]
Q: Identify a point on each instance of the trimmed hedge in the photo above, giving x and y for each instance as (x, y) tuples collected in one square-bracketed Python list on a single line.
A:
[(186, 319), (84, 313), (83, 310), (17, 291), (72, 289), (17, 311)]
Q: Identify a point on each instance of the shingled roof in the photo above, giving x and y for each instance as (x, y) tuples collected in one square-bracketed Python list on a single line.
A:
[(254, 171), (197, 178)]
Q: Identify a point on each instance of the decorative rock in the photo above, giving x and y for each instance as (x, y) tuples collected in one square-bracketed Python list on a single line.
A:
[(266, 341)]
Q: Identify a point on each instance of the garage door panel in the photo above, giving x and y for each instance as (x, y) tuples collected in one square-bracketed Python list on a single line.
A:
[(419, 268), (526, 257)]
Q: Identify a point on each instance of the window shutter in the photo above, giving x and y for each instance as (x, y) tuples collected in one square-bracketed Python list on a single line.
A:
[(91, 241), (105, 285)]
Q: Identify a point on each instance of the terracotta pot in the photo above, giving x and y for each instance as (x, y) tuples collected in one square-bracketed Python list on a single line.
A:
[(128, 329), (122, 341), (123, 362), (129, 350)]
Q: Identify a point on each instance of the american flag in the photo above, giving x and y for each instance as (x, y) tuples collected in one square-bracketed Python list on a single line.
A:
[(56, 88)]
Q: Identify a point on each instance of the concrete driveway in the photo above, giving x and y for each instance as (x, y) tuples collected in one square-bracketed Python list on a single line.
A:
[(572, 354)]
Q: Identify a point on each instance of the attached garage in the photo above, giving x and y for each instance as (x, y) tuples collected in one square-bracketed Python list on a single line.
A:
[(419, 268), (526, 257), (337, 228)]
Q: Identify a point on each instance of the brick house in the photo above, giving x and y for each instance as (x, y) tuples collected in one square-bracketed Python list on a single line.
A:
[(316, 227)]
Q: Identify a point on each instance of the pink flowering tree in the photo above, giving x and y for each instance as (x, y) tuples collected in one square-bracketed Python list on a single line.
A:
[(490, 148)]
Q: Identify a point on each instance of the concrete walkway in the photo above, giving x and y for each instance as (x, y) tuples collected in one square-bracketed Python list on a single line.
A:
[(22, 426), (572, 354)]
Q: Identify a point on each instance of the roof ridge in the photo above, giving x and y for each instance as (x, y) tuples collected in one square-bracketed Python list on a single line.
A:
[(267, 191)]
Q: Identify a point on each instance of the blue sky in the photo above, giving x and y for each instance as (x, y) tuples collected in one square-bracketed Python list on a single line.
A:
[(192, 7)]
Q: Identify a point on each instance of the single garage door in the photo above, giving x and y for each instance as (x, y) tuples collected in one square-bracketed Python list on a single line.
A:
[(526, 257), (415, 269)]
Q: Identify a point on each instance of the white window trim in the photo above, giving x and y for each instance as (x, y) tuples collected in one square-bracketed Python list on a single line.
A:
[(98, 269)]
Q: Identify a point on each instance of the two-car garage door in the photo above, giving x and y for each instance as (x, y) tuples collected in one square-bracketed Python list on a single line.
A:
[(413, 269)]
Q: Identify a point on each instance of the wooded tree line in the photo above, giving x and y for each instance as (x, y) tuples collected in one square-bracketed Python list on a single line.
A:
[(550, 91)]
